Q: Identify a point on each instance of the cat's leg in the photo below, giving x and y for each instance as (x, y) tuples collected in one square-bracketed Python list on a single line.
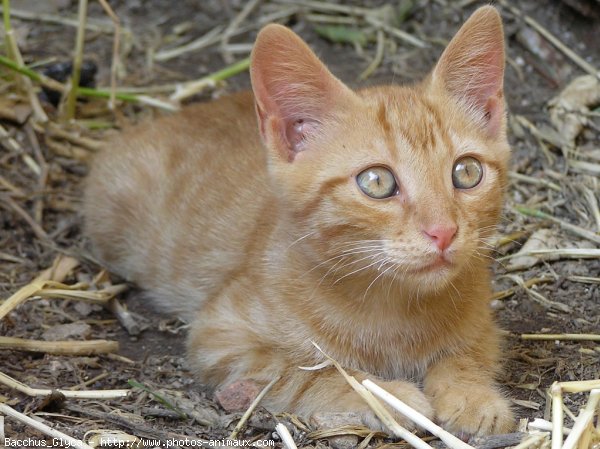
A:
[(465, 398), (225, 350)]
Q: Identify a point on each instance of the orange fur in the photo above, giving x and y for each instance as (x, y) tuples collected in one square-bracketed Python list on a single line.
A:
[(262, 231)]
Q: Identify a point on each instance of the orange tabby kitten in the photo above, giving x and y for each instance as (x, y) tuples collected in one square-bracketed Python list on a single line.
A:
[(354, 219)]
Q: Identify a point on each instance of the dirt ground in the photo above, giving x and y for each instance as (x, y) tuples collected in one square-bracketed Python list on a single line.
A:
[(39, 217)]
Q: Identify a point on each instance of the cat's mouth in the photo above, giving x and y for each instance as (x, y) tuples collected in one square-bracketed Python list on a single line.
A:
[(440, 263)]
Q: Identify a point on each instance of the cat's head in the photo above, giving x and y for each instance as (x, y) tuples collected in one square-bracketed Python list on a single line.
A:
[(388, 181)]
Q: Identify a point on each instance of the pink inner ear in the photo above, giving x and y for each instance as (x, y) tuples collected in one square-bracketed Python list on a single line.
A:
[(297, 131)]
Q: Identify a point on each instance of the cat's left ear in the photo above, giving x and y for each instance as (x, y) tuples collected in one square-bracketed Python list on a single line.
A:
[(295, 93), (471, 68)]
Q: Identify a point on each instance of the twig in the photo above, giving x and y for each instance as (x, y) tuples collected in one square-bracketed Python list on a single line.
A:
[(125, 318), (64, 438), (573, 337), (583, 421), (380, 411), (593, 203), (254, 404), (396, 32), (35, 227), (233, 25), (83, 91), (115, 56), (377, 59), (553, 40), (557, 415), (213, 36), (512, 290), (92, 25), (77, 60), (194, 87), (286, 437), (88, 394), (534, 181), (87, 347), (581, 232), (15, 54), (421, 420)]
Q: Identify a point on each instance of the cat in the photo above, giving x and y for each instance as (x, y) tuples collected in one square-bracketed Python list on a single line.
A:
[(307, 212)]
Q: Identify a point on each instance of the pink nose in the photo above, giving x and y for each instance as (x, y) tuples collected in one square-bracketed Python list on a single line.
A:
[(442, 235)]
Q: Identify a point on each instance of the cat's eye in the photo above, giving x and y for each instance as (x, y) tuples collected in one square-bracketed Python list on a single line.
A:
[(467, 173), (377, 182)]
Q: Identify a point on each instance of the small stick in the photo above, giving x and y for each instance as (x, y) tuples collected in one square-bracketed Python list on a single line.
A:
[(233, 25), (65, 439), (591, 199), (92, 25), (77, 60), (94, 379), (572, 337), (580, 386), (68, 347), (512, 290), (286, 437), (89, 394), (57, 131), (380, 411), (581, 232), (553, 40), (15, 54), (115, 56), (189, 89), (35, 227), (396, 32), (534, 181), (83, 91), (416, 417), (557, 415), (125, 318), (583, 420), (254, 404), (377, 59)]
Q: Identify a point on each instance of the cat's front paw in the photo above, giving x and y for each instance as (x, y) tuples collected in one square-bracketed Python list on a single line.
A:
[(469, 410), (407, 392)]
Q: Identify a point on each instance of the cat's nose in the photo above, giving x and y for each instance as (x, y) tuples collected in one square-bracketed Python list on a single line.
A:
[(442, 235)]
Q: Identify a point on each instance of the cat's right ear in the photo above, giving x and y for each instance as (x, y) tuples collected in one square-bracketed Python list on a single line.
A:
[(294, 91)]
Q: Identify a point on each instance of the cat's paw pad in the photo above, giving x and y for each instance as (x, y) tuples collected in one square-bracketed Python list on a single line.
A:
[(472, 410), (407, 393)]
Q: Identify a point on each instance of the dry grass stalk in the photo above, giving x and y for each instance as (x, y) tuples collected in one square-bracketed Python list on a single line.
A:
[(52, 289), (422, 421), (402, 35), (572, 337), (189, 89), (43, 428), (527, 284), (35, 227), (582, 423), (91, 25), (15, 55), (115, 55), (77, 61), (377, 59), (286, 436), (552, 39), (87, 347), (87, 394), (380, 411), (246, 415), (233, 25), (557, 415), (577, 230), (538, 297)]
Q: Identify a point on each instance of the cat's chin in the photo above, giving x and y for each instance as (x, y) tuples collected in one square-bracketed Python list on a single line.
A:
[(433, 276)]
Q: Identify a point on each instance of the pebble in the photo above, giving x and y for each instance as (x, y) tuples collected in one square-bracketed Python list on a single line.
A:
[(237, 396)]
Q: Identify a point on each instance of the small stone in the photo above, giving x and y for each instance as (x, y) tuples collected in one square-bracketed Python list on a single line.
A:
[(237, 396), (65, 331), (334, 421)]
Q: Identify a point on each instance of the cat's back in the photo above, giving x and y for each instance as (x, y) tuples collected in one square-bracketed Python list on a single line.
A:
[(175, 201)]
